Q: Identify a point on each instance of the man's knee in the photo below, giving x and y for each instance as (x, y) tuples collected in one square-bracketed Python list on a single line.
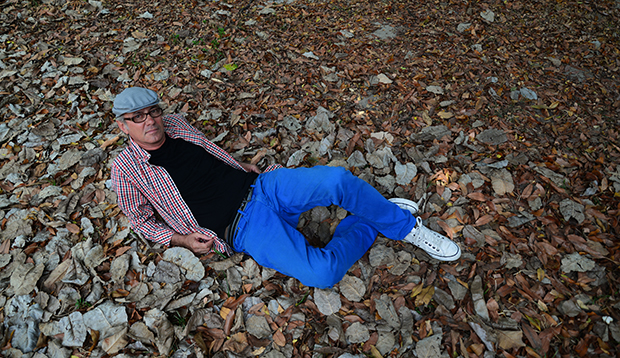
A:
[(337, 175)]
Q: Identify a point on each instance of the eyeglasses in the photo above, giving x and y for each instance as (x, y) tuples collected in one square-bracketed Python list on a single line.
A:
[(141, 117)]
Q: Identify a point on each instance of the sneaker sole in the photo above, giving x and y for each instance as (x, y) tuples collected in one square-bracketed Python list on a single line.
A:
[(454, 257), (406, 204)]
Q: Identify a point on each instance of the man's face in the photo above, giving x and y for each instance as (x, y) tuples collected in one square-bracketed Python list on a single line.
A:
[(149, 134)]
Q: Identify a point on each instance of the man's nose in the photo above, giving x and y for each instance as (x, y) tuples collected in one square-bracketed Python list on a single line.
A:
[(149, 119)]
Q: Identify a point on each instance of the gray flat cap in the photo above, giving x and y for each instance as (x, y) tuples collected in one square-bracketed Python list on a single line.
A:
[(134, 99)]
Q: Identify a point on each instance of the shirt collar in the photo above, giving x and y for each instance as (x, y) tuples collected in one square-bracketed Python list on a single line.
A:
[(141, 154)]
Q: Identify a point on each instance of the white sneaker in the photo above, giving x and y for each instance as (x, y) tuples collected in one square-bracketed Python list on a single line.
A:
[(436, 245), (409, 205)]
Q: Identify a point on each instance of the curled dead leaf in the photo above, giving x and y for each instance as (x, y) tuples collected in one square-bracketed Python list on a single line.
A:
[(477, 196), (445, 115), (279, 339), (485, 219), (74, 229)]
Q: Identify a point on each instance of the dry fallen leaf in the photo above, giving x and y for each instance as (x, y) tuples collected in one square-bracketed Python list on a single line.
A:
[(74, 229), (425, 296), (115, 342), (559, 199), (510, 339), (278, 338), (445, 115)]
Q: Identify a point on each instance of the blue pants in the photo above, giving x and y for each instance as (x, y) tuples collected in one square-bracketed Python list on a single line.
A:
[(267, 230)]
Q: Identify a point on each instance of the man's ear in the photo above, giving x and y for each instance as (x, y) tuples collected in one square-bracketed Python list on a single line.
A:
[(122, 127)]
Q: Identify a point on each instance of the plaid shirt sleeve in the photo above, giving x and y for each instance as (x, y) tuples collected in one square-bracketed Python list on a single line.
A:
[(137, 207)]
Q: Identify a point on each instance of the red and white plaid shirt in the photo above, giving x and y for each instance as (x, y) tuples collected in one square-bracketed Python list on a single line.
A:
[(144, 189)]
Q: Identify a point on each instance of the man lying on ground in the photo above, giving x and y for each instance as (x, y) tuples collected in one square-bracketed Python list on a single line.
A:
[(209, 201)]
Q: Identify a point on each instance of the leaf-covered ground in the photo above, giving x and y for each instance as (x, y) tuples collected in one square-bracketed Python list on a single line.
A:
[(499, 117)]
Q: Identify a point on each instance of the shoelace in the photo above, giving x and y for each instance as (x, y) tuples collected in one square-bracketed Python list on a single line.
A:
[(430, 242)]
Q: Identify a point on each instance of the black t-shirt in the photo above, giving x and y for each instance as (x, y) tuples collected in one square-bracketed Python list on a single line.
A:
[(212, 189)]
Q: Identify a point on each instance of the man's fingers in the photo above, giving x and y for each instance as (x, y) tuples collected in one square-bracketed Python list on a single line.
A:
[(202, 244)]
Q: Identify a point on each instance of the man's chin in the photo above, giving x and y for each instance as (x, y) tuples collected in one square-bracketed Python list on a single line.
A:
[(155, 136)]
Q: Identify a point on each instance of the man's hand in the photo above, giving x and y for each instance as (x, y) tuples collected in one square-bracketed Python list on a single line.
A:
[(250, 168), (196, 242)]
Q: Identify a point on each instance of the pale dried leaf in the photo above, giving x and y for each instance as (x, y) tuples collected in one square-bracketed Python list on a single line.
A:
[(327, 301), (386, 310), (185, 259), (24, 278), (510, 339), (502, 182), (105, 317), (115, 342), (352, 288), (572, 209), (119, 268)]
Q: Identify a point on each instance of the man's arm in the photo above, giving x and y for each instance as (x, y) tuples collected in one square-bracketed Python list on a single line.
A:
[(141, 215), (250, 168), (142, 218), (178, 127), (196, 242)]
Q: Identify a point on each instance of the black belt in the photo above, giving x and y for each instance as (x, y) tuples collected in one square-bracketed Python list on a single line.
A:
[(231, 230)]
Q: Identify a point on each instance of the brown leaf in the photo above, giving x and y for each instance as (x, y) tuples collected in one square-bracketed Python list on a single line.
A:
[(425, 296), (74, 229), (99, 196), (121, 250), (236, 302), (532, 336), (120, 293), (493, 309), (94, 336), (215, 333), (546, 248), (352, 143), (5, 247), (445, 115), (228, 323), (527, 192), (225, 312), (57, 274), (477, 196), (510, 339), (278, 338), (237, 343), (200, 342), (258, 309), (463, 348), (259, 155), (477, 348), (449, 231), (87, 198), (484, 220), (109, 142), (353, 318)]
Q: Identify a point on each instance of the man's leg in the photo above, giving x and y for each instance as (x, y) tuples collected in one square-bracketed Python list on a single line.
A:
[(276, 244), (291, 192)]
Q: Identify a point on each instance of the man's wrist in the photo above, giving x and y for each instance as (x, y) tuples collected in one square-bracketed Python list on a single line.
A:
[(177, 240)]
